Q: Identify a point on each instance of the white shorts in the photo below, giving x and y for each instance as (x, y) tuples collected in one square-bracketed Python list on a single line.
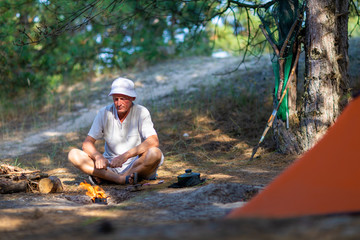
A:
[(130, 162)]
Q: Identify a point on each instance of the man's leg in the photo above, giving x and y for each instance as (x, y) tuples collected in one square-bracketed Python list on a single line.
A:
[(146, 164), (84, 163)]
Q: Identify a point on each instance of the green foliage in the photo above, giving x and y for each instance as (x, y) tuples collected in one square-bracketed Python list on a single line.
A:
[(44, 44), (354, 28), (236, 32)]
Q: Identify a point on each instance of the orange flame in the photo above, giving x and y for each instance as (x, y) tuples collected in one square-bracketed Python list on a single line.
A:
[(93, 192)]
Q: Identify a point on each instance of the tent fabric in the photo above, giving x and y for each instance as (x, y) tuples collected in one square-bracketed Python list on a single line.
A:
[(325, 180)]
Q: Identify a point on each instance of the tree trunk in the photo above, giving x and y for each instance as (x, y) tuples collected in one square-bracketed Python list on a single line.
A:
[(326, 79)]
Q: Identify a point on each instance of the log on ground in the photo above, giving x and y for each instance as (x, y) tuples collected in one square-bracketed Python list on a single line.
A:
[(51, 184), (9, 186)]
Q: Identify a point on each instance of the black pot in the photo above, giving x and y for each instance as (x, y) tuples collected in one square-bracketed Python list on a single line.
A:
[(189, 178)]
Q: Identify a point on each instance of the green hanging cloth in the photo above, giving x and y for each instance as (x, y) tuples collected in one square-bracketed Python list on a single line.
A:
[(284, 107)]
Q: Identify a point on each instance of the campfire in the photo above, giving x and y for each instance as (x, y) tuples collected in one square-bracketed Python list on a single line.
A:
[(96, 193)]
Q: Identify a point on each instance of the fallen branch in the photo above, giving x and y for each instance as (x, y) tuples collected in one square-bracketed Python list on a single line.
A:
[(9, 186), (14, 179)]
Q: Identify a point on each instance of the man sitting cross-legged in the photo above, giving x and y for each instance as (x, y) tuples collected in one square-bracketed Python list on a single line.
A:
[(131, 142)]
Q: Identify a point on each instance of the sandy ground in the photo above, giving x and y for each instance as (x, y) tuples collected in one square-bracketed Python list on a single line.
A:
[(153, 83), (156, 211)]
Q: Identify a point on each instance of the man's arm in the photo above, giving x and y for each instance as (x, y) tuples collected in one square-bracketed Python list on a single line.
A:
[(150, 142), (88, 146)]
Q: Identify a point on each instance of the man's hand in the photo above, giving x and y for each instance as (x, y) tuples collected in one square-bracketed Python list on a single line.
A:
[(119, 160), (88, 146), (149, 142), (101, 162)]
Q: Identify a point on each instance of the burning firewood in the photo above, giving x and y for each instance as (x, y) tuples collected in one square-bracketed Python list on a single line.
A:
[(51, 184), (96, 193)]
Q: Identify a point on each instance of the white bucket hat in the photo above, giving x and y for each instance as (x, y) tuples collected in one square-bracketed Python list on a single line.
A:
[(123, 86)]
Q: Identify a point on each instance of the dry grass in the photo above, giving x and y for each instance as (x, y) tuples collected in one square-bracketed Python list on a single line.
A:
[(213, 132), (221, 128), (221, 124)]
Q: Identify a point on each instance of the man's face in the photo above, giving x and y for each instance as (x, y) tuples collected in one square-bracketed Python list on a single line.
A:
[(122, 103)]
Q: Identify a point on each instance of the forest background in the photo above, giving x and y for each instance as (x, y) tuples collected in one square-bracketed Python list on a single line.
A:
[(37, 71), (53, 54), (45, 46)]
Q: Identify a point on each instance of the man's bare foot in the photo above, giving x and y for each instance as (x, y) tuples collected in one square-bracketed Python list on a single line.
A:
[(132, 179), (95, 180)]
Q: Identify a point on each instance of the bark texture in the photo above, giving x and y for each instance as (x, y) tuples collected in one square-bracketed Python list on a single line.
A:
[(9, 186), (51, 184), (326, 79)]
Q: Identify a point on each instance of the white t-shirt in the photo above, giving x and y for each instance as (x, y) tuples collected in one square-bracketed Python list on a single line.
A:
[(120, 137)]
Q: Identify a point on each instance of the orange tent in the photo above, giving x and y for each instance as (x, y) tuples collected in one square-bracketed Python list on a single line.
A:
[(325, 180)]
